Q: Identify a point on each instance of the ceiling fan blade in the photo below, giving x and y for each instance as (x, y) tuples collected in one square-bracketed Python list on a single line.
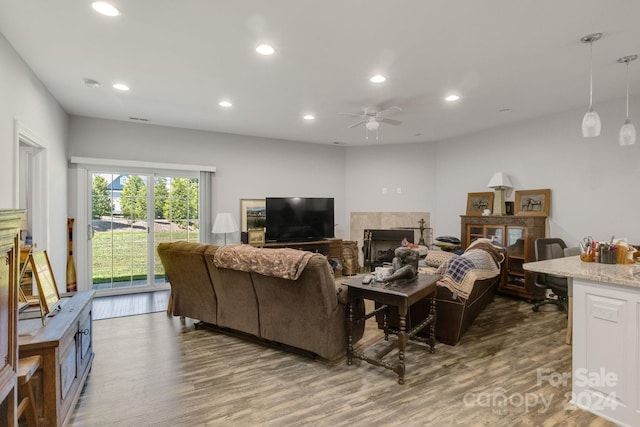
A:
[(388, 111), (391, 121), (357, 123), (351, 114)]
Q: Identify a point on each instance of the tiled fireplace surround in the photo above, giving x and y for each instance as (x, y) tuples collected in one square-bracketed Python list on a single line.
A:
[(361, 221)]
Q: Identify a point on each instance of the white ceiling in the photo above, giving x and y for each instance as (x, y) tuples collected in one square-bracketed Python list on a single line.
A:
[(181, 58)]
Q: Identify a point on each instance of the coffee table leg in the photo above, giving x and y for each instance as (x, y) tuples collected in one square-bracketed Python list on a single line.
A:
[(350, 333), (402, 342), (385, 322), (432, 327)]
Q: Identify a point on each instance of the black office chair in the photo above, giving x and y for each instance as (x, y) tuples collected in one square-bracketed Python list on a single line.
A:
[(550, 248)]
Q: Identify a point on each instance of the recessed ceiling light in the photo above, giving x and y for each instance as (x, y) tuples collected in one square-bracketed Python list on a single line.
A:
[(378, 78), (225, 104), (265, 49), (309, 117), (504, 110), (452, 98), (121, 86), (94, 84), (105, 8)]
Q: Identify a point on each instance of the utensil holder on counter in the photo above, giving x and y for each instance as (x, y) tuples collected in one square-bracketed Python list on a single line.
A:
[(607, 255)]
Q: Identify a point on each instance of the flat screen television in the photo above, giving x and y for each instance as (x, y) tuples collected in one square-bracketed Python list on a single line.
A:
[(297, 219)]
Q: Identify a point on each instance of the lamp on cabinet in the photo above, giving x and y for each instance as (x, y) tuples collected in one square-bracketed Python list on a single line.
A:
[(499, 182)]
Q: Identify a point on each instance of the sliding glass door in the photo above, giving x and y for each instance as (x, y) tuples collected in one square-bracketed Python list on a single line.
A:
[(130, 214), (176, 214)]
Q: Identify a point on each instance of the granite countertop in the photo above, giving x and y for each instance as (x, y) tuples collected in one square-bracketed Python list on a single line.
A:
[(621, 274)]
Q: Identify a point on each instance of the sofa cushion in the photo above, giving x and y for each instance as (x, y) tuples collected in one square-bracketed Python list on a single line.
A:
[(237, 302)]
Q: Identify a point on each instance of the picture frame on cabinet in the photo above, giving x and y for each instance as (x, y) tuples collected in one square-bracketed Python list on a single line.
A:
[(252, 214), (255, 237), (252, 217), (46, 282), (533, 202), (508, 208), (478, 202)]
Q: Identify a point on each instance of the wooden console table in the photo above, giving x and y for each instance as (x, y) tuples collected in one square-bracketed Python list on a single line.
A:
[(402, 297), (65, 345), (331, 248)]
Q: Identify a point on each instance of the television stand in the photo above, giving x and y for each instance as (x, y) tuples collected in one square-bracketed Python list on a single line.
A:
[(331, 248)]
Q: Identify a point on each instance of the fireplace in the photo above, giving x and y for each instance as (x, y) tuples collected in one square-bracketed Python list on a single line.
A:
[(396, 221), (379, 245)]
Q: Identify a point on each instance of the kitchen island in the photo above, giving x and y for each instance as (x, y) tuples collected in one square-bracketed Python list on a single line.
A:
[(604, 301)]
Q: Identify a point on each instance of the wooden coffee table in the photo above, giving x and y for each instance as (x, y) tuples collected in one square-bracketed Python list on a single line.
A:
[(399, 296)]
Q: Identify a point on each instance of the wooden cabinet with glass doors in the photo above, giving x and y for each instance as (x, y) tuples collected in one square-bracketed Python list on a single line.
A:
[(517, 234)]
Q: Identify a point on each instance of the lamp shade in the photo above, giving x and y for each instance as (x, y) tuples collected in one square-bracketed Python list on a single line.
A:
[(224, 223), (500, 180), (591, 124), (627, 135)]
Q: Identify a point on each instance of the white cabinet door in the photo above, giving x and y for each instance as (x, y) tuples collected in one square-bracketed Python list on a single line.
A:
[(606, 350)]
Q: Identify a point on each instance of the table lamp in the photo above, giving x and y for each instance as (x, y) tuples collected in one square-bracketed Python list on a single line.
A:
[(224, 223), (499, 182)]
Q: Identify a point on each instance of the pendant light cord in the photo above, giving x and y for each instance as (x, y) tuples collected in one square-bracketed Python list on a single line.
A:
[(591, 74), (627, 89)]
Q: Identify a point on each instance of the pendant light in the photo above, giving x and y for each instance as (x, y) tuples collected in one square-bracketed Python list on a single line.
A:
[(627, 135), (591, 124)]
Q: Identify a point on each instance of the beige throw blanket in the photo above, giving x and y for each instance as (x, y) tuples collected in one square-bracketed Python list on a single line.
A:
[(283, 263)]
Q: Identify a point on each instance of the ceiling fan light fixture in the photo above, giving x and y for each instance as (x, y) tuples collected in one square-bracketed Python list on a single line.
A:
[(378, 78), (309, 117), (225, 104), (372, 125), (452, 98)]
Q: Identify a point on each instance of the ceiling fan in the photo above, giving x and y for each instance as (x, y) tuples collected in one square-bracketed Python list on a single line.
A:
[(372, 118)]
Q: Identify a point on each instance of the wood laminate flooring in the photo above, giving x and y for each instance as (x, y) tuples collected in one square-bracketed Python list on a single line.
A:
[(154, 370), (130, 305)]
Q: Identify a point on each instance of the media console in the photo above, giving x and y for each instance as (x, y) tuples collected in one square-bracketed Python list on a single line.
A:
[(331, 248)]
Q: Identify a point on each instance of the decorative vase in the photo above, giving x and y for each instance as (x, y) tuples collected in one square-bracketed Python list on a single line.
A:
[(72, 285)]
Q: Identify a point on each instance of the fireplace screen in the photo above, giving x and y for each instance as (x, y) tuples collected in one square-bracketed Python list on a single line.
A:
[(379, 246)]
